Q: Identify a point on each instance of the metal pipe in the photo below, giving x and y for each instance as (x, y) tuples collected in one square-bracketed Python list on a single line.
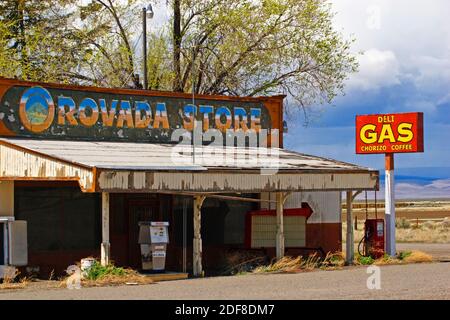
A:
[(184, 235), (144, 43), (390, 205), (5, 244)]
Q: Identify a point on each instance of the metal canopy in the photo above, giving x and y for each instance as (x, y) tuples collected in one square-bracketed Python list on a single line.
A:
[(138, 167)]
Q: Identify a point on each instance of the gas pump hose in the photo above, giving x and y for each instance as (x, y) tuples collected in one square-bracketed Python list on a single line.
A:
[(359, 246)]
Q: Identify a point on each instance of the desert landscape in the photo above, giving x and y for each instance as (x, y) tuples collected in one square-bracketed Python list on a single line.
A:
[(418, 221)]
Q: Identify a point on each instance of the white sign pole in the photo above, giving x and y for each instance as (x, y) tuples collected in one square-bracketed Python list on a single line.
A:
[(389, 205)]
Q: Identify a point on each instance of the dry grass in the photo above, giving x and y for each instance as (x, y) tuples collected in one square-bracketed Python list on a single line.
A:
[(13, 285), (387, 260), (405, 258), (299, 264), (418, 257), (130, 277), (333, 261), (241, 261), (14, 282)]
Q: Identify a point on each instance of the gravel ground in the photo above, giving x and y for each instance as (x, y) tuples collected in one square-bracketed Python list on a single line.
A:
[(414, 281)]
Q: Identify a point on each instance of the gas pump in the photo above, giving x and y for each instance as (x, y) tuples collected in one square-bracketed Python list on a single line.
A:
[(373, 239)]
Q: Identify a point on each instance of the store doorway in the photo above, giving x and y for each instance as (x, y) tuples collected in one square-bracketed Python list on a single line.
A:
[(139, 210)]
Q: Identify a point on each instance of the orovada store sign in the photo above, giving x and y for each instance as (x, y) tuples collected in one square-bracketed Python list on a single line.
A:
[(389, 133), (49, 112)]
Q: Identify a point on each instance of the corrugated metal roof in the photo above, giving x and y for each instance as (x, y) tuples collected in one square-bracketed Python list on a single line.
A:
[(141, 156)]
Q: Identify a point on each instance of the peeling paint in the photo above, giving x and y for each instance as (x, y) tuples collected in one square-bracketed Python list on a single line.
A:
[(18, 164), (232, 181)]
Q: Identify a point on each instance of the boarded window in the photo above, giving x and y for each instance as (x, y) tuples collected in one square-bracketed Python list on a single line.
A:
[(264, 230), (59, 218)]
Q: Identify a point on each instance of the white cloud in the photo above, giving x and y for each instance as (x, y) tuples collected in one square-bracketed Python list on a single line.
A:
[(377, 68), (444, 99), (433, 74), (411, 36)]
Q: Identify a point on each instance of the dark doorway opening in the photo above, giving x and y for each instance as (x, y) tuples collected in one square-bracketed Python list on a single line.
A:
[(139, 210), (2, 246)]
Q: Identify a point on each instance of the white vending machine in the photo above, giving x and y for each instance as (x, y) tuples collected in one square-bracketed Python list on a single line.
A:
[(14, 246), (153, 239)]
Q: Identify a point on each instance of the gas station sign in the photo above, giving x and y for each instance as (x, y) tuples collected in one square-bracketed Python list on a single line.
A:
[(389, 133)]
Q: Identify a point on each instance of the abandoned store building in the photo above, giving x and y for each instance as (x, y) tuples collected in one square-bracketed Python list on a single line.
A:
[(80, 167)]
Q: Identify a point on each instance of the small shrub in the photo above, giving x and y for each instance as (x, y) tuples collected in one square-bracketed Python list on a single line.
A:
[(97, 271), (403, 254), (365, 260), (110, 275), (333, 260)]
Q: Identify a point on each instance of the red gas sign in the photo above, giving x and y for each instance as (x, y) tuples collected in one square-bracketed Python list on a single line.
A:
[(389, 133)]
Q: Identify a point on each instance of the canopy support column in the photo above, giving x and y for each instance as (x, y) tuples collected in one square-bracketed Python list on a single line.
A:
[(280, 245), (349, 241), (105, 246), (197, 243)]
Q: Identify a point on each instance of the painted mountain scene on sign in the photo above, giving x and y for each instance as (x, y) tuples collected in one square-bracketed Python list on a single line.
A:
[(37, 113)]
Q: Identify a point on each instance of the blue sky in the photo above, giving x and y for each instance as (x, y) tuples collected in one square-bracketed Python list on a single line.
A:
[(405, 67)]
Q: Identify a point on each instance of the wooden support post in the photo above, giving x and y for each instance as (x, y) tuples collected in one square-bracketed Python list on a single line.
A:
[(349, 250), (197, 243), (105, 246), (280, 248), (7, 198), (6, 210), (389, 206), (5, 244)]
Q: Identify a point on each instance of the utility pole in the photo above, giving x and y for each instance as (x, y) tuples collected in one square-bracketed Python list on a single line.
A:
[(146, 13)]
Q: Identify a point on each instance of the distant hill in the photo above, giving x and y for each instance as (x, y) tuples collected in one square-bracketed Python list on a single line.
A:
[(418, 183)]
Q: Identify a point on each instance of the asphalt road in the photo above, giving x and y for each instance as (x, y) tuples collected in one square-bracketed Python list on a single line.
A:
[(414, 281)]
